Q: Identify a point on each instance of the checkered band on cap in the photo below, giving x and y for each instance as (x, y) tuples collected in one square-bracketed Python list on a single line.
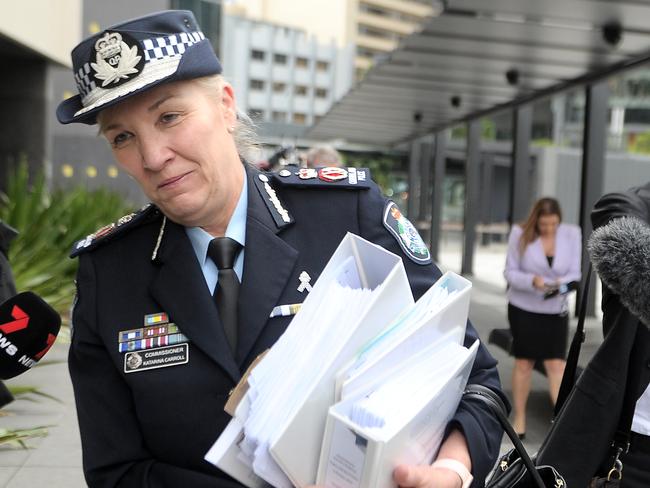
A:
[(84, 84), (158, 48), (173, 45)]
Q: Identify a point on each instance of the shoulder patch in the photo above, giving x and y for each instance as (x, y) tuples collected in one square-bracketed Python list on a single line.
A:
[(405, 234), (325, 177), (108, 232)]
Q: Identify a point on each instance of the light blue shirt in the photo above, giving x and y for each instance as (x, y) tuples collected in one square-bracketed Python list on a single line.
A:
[(236, 230)]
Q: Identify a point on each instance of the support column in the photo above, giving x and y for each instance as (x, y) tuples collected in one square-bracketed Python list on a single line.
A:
[(437, 191), (426, 161), (486, 196), (594, 147), (414, 175), (520, 175), (471, 195)]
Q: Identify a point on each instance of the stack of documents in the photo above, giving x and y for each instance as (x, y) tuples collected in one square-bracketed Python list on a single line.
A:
[(401, 421), (277, 431), (392, 372), (440, 312)]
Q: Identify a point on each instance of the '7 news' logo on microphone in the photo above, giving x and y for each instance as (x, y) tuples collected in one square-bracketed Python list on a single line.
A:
[(20, 322), (28, 328)]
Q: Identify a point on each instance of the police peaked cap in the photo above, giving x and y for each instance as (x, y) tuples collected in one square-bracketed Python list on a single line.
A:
[(133, 56)]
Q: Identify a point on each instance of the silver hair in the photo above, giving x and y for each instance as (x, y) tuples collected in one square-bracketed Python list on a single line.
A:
[(323, 155), (245, 134)]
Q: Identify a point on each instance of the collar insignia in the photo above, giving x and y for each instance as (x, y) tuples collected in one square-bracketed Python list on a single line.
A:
[(280, 214), (304, 279)]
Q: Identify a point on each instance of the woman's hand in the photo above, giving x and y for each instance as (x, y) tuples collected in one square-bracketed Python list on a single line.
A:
[(538, 282), (453, 448)]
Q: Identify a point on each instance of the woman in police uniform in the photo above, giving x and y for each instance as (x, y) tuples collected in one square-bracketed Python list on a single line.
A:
[(145, 283)]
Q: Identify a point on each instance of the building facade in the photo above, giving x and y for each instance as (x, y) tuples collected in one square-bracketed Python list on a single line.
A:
[(381, 24), (284, 79), (371, 28)]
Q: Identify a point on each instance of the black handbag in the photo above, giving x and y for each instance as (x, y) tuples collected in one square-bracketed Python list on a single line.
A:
[(515, 469)]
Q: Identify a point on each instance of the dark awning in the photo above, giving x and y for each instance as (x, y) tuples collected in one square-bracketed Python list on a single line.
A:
[(480, 55)]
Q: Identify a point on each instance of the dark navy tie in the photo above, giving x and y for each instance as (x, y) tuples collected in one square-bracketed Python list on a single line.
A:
[(223, 251)]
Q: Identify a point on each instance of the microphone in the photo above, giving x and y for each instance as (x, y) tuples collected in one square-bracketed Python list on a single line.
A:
[(28, 328), (620, 253)]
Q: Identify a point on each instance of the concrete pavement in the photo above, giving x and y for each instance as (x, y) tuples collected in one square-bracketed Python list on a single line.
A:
[(55, 460)]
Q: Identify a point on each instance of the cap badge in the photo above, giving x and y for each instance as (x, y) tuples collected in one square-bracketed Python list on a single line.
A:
[(117, 58)]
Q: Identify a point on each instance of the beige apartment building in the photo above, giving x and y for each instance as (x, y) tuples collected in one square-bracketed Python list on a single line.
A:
[(373, 27)]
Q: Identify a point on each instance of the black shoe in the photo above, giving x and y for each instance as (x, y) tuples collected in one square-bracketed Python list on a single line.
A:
[(521, 436)]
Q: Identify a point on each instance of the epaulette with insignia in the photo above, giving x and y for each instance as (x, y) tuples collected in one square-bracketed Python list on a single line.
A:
[(110, 231), (326, 177)]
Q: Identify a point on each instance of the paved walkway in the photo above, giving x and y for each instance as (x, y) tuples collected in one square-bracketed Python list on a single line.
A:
[(55, 461)]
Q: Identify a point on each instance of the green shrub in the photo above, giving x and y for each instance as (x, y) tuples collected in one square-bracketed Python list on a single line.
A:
[(640, 144), (49, 224)]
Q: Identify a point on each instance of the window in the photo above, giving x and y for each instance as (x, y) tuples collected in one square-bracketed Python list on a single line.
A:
[(322, 65), (364, 52), (279, 87), (300, 90), (256, 113), (279, 116), (280, 59), (302, 62), (321, 93), (258, 55), (371, 9), (257, 85), (365, 30), (299, 118), (410, 18)]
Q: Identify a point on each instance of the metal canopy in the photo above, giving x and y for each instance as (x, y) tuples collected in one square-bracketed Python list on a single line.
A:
[(456, 66)]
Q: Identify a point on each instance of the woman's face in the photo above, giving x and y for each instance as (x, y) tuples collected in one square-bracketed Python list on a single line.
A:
[(174, 140), (547, 224)]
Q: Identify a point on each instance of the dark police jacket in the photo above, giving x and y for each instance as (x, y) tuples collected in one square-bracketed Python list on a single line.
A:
[(583, 436), (151, 428)]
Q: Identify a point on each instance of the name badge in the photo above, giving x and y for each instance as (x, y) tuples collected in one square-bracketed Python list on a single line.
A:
[(160, 357)]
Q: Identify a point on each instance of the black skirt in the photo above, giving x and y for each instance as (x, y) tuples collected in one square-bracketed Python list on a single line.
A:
[(538, 335)]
